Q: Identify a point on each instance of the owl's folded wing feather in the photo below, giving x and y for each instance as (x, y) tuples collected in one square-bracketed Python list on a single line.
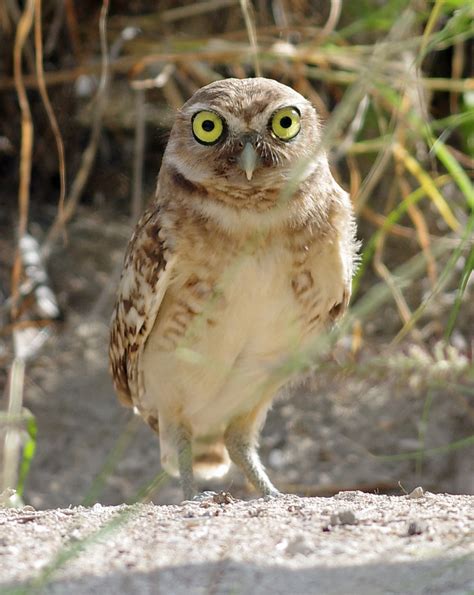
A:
[(143, 283)]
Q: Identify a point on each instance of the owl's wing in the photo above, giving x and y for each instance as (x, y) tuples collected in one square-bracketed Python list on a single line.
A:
[(143, 284)]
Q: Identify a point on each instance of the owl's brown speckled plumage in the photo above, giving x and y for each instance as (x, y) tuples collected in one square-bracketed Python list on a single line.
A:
[(226, 276)]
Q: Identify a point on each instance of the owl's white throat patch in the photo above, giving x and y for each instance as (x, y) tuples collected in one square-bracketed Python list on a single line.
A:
[(246, 207)]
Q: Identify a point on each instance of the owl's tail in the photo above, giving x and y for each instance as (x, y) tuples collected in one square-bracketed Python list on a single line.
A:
[(210, 459)]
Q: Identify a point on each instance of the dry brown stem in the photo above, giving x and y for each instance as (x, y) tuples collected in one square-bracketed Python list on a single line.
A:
[(89, 154)]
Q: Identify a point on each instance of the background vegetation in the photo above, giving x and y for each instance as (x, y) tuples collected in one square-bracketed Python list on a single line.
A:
[(87, 94)]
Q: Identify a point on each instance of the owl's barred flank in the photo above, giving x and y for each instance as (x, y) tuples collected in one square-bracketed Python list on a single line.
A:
[(226, 277)]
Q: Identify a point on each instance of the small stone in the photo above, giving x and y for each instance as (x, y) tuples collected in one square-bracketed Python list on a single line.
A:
[(282, 545), (28, 508), (347, 517), (295, 508), (223, 498), (206, 497), (344, 517), (349, 495), (416, 527), (75, 535), (299, 545), (213, 512), (334, 519), (416, 493), (26, 518)]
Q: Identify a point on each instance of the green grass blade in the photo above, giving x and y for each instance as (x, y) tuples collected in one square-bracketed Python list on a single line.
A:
[(29, 450)]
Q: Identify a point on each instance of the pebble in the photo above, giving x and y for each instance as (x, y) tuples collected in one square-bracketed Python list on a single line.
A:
[(416, 493), (299, 545), (344, 517), (416, 527), (348, 495)]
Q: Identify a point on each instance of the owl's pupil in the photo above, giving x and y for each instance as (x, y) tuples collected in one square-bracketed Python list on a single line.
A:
[(285, 122), (208, 125)]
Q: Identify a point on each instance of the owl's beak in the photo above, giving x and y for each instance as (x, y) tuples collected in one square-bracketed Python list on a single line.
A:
[(248, 160)]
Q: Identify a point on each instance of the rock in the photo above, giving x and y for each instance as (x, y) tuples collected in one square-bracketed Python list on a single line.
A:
[(299, 545), (344, 517), (223, 498), (416, 527), (416, 493)]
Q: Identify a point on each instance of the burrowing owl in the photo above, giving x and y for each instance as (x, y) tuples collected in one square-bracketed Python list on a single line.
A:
[(227, 275)]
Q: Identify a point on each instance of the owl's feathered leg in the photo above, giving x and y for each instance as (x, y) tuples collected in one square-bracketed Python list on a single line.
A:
[(185, 463), (240, 442)]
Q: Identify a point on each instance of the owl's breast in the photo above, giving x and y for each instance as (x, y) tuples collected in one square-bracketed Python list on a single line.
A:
[(259, 301), (223, 333)]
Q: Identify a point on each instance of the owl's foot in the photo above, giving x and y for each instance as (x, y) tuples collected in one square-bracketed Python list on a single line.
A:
[(244, 454)]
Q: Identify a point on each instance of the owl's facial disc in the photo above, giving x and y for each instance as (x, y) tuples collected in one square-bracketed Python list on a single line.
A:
[(243, 134)]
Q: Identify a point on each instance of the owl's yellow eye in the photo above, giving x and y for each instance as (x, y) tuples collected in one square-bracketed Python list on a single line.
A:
[(208, 127), (285, 123)]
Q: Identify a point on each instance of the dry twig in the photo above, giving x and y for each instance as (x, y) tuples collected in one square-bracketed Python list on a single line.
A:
[(252, 33), (89, 154), (24, 26), (48, 107)]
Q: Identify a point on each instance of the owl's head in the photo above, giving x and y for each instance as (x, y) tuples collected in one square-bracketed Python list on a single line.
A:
[(243, 134)]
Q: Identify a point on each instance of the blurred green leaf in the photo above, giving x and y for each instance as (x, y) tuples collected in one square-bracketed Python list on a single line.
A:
[(29, 450)]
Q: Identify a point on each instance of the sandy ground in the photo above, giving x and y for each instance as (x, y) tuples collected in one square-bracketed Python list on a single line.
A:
[(350, 543)]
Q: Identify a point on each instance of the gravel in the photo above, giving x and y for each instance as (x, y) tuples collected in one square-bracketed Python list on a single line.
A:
[(350, 543)]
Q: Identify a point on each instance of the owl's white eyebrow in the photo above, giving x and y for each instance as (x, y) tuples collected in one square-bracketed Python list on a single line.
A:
[(199, 107), (299, 105)]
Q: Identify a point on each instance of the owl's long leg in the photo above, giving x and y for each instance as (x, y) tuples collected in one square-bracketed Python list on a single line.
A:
[(241, 445), (185, 463)]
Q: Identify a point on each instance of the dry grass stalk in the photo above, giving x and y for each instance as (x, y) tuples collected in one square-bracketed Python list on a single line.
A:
[(89, 154), (249, 18), (139, 152), (333, 19), (48, 107), (13, 440), (24, 26), (198, 8)]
